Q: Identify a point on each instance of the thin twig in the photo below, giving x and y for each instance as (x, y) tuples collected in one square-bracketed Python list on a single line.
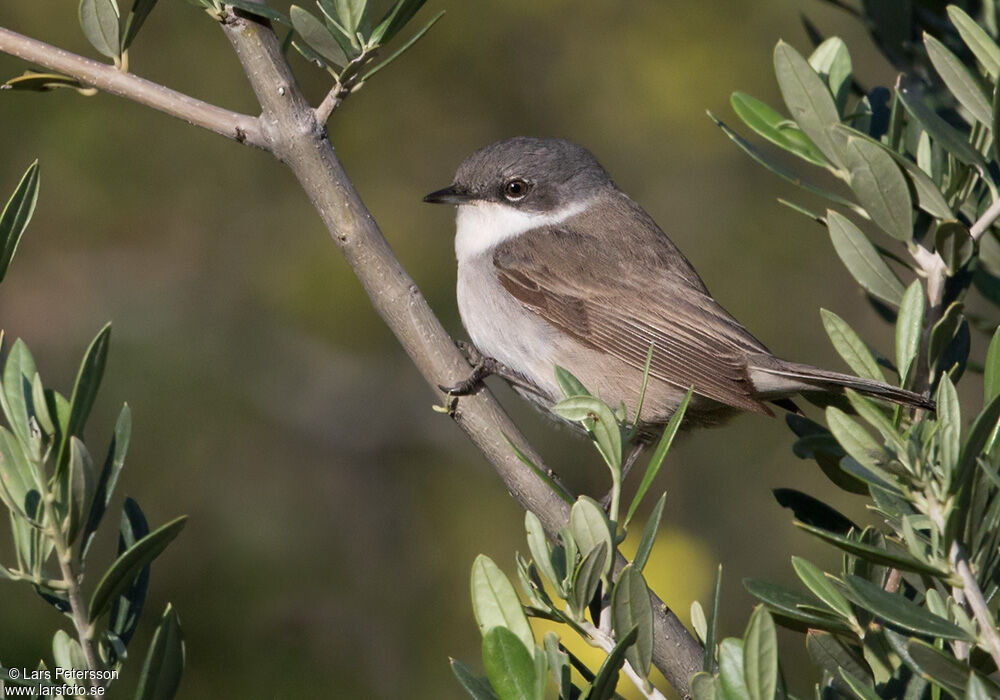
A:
[(987, 626), (330, 102), (74, 596), (985, 221), (233, 125)]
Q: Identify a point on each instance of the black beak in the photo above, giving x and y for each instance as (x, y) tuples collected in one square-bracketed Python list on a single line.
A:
[(451, 194)]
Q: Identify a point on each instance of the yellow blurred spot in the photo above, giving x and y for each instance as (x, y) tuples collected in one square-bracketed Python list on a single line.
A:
[(679, 571)]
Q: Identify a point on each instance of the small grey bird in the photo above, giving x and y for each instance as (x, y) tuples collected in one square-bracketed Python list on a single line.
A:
[(557, 266)]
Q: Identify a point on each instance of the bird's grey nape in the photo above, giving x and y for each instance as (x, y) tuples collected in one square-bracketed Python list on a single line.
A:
[(556, 171)]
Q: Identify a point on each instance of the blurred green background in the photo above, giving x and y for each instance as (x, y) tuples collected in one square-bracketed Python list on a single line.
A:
[(334, 515)]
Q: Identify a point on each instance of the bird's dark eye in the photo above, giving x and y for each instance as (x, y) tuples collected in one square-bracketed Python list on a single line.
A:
[(516, 189)]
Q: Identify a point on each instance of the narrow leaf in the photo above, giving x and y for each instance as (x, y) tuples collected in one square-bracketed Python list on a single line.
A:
[(16, 215), (509, 665), (808, 100), (161, 672), (959, 81), (850, 347), (659, 454), (99, 20), (631, 608), (862, 260), (317, 36), (760, 656), (495, 602), (128, 565), (649, 534), (909, 325)]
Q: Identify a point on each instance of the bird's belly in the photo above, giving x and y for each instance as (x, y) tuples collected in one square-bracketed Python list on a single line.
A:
[(503, 329)]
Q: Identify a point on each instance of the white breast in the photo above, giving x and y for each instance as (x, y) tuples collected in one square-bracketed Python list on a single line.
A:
[(497, 323)]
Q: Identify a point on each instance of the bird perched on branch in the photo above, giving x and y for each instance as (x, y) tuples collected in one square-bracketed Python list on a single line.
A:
[(559, 267)]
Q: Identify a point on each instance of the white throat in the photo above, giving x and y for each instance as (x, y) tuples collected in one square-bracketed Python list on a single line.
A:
[(484, 225)]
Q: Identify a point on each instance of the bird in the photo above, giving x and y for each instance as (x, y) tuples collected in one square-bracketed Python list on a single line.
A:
[(558, 267)]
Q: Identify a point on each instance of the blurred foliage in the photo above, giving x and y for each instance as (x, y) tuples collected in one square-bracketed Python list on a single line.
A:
[(258, 373)]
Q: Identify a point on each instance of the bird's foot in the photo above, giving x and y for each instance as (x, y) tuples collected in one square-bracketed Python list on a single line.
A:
[(482, 367)]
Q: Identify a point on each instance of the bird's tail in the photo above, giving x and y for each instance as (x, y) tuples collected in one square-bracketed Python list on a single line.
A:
[(772, 376)]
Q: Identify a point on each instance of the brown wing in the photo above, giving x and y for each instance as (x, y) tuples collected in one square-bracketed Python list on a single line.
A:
[(578, 286)]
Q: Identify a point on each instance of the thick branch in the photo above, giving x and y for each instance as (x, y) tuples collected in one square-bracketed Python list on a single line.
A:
[(293, 134), (233, 125)]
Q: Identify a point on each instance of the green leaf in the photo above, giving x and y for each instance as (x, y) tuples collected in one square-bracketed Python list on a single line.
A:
[(959, 81), (559, 665), (18, 374), (929, 197), (541, 553), (978, 41), (732, 677), (831, 653), (783, 172), (991, 374), (406, 45), (943, 669), (631, 608), (128, 565), (821, 586), (705, 686), (793, 605), (477, 688), (708, 657), (587, 576), (17, 477), (857, 441), (775, 128), (495, 602), (317, 36), (871, 553), (949, 419), (395, 19), (88, 381), (127, 608), (99, 20), (569, 384), (108, 479), (862, 690), (351, 14), (850, 347), (983, 432), (79, 489), (16, 215), (953, 242), (600, 421), (34, 81), (260, 10), (879, 185), (898, 610), (833, 63), (909, 325), (161, 672), (649, 534), (604, 683), (659, 454), (976, 690), (136, 17), (760, 656), (877, 418), (909, 94), (509, 665), (808, 100), (590, 527), (862, 260)]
